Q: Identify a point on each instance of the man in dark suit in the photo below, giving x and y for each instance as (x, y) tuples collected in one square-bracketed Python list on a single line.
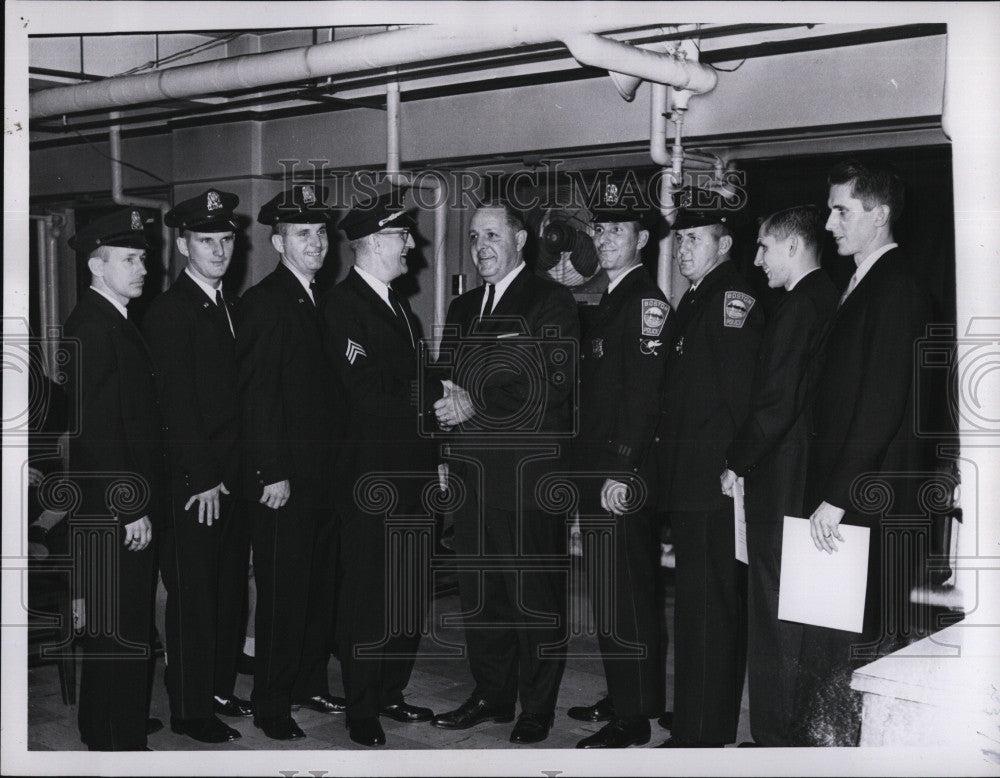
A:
[(290, 418), (204, 548), (117, 459), (863, 430), (509, 397), (769, 453), (621, 368), (706, 397), (371, 336)]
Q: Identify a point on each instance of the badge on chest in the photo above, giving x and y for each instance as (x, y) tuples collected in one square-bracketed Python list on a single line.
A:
[(597, 348)]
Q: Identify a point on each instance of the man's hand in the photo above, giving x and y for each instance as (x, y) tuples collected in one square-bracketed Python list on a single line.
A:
[(614, 496), (208, 504), (138, 534), (35, 476), (276, 495), (455, 407), (443, 476), (823, 524), (728, 480), (79, 608)]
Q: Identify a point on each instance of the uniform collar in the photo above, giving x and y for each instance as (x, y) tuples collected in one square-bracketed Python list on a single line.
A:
[(118, 306)]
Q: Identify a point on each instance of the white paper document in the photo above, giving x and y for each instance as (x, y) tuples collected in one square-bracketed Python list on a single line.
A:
[(740, 521), (827, 590)]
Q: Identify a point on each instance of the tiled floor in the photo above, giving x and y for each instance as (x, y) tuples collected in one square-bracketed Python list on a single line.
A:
[(441, 683)]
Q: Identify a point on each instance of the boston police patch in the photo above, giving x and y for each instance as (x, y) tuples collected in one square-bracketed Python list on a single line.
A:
[(654, 316), (736, 308)]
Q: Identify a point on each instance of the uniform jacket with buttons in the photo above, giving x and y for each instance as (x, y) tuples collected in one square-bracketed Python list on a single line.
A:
[(195, 355), (622, 355), (371, 352), (771, 447), (113, 408), (706, 394), (290, 400)]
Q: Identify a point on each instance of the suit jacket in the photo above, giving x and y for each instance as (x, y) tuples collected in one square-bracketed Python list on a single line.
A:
[(112, 387), (621, 371), (195, 354), (706, 393), (291, 402), (863, 412), (770, 449), (375, 360), (519, 365)]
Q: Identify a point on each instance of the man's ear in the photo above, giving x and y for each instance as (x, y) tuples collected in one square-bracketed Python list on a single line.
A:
[(642, 239), (725, 243), (521, 238), (793, 245), (96, 266), (881, 215), (182, 246), (278, 241)]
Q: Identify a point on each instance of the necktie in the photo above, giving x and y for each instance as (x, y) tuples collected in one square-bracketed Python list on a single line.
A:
[(221, 303), (312, 291), (850, 288), (490, 293), (398, 309)]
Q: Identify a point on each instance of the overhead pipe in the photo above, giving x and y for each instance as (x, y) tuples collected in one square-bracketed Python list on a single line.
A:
[(395, 176), (119, 197), (367, 52)]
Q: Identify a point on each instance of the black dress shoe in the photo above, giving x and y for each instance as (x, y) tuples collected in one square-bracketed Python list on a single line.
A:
[(279, 727), (674, 743), (474, 710), (531, 728), (599, 711), (620, 733), (233, 706), (666, 720), (749, 744), (324, 703), (407, 714), (209, 730), (366, 731)]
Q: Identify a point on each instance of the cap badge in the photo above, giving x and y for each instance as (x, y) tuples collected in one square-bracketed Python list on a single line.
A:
[(136, 222), (308, 195), (389, 218), (611, 194), (213, 201)]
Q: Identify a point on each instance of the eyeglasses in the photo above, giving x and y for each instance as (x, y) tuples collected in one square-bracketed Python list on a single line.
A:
[(404, 234)]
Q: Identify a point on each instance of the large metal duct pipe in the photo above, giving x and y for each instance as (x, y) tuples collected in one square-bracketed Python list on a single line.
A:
[(368, 52)]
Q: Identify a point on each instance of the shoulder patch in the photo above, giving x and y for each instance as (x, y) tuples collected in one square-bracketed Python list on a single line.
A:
[(735, 308), (654, 316)]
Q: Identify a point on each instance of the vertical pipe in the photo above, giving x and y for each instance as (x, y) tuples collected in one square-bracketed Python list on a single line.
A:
[(392, 160), (42, 224), (50, 318)]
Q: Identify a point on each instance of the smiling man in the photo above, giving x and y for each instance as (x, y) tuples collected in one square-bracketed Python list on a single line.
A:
[(290, 417), (510, 397), (371, 337), (204, 548), (863, 417), (769, 453), (624, 348), (705, 398)]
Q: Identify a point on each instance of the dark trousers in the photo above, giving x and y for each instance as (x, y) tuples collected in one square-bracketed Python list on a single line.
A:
[(623, 570), (286, 548), (515, 626), (311, 679), (204, 570), (114, 679), (772, 645), (709, 627), (383, 604)]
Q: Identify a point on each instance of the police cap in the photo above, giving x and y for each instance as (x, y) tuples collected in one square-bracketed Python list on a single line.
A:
[(383, 212), (121, 228), (302, 204), (211, 211)]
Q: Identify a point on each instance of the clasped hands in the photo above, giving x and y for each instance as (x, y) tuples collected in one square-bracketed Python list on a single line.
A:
[(454, 408)]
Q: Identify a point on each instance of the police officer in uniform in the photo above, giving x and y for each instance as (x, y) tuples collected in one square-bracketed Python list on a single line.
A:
[(622, 355), (117, 459), (205, 546), (372, 337), (290, 421), (705, 398)]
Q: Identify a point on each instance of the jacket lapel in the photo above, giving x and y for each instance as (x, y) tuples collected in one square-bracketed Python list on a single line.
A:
[(376, 303)]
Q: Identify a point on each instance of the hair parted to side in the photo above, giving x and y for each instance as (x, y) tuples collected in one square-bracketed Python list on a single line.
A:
[(804, 221), (873, 184), (513, 217)]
